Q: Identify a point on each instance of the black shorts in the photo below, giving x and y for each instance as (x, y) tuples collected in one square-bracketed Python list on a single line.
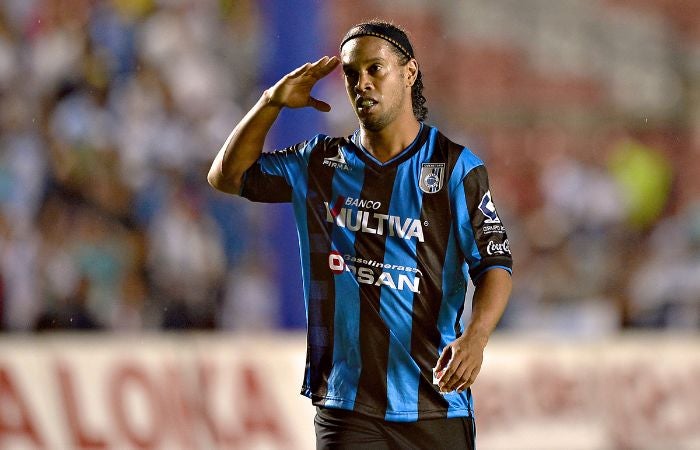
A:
[(348, 430)]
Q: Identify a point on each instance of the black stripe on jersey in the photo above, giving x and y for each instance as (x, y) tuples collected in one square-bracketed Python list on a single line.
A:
[(374, 334), (321, 312), (475, 184), (431, 256), (261, 187)]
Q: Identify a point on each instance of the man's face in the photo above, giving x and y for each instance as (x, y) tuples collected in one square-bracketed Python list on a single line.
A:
[(375, 81)]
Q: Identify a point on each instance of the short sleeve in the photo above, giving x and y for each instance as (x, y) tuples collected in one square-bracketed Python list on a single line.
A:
[(481, 234), (273, 176)]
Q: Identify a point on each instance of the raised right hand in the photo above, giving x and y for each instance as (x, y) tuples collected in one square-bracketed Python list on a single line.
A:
[(294, 89)]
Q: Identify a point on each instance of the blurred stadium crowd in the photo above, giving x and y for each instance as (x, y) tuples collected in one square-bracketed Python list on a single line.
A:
[(587, 114)]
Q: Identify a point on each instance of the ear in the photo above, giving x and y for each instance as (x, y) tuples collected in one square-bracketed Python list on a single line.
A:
[(411, 71)]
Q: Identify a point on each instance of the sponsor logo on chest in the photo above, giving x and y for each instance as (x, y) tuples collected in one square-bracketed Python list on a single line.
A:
[(376, 273), (343, 214)]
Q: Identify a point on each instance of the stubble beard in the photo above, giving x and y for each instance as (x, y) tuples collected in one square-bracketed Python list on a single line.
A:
[(380, 121)]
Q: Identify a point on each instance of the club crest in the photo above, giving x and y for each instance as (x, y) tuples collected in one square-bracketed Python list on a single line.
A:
[(431, 177)]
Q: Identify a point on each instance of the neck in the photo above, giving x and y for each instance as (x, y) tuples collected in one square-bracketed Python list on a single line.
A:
[(390, 140)]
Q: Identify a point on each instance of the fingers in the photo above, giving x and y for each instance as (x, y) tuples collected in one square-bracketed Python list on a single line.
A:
[(459, 376), (294, 89), (452, 376), (298, 71), (318, 69), (470, 380), (444, 359), (327, 66), (319, 104), (322, 67)]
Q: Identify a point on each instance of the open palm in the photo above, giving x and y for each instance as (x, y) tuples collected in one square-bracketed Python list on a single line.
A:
[(294, 89)]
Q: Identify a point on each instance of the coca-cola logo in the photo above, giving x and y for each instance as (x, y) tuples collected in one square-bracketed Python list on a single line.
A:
[(498, 248)]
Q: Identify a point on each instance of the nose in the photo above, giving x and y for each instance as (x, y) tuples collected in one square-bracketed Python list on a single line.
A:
[(363, 83)]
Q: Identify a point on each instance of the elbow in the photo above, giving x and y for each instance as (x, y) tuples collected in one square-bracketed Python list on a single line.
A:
[(212, 180), (216, 180)]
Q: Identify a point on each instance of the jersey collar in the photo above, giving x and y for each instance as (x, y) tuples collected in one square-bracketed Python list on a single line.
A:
[(405, 154)]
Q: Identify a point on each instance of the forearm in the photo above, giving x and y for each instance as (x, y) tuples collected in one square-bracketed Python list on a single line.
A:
[(243, 146), (490, 300)]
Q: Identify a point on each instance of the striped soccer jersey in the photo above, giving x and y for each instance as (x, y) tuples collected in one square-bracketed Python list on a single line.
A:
[(385, 250)]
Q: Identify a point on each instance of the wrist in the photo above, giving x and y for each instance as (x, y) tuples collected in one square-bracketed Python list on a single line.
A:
[(477, 336), (267, 100)]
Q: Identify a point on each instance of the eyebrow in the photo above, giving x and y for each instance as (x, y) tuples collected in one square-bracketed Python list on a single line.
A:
[(370, 61)]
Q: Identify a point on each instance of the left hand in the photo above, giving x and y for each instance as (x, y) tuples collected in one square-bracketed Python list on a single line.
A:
[(461, 361)]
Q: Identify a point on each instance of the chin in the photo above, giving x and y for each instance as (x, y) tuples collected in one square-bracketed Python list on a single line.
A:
[(371, 125)]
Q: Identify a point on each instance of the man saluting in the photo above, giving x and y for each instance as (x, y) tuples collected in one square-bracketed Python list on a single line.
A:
[(392, 220)]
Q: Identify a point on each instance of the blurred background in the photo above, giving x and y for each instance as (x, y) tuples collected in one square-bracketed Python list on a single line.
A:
[(586, 112)]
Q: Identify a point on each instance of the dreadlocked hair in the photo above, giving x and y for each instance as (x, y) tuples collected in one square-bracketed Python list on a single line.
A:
[(417, 98)]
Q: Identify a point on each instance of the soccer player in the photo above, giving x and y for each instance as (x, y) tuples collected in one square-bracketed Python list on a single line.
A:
[(391, 221)]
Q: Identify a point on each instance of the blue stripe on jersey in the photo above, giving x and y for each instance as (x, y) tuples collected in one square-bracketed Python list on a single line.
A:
[(298, 177), (403, 372), (345, 374), (295, 171), (454, 290), (459, 403), (299, 205), (465, 163)]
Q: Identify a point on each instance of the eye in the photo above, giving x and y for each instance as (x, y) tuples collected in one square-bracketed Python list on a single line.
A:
[(374, 68), (349, 73)]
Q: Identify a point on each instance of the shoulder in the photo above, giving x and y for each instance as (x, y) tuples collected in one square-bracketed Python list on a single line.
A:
[(331, 143), (463, 159), (318, 144), (323, 143), (322, 147)]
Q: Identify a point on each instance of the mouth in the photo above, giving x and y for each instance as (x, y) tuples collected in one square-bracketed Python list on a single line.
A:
[(364, 104)]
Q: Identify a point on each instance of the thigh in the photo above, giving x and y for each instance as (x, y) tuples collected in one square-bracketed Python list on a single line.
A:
[(338, 429), (434, 434)]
